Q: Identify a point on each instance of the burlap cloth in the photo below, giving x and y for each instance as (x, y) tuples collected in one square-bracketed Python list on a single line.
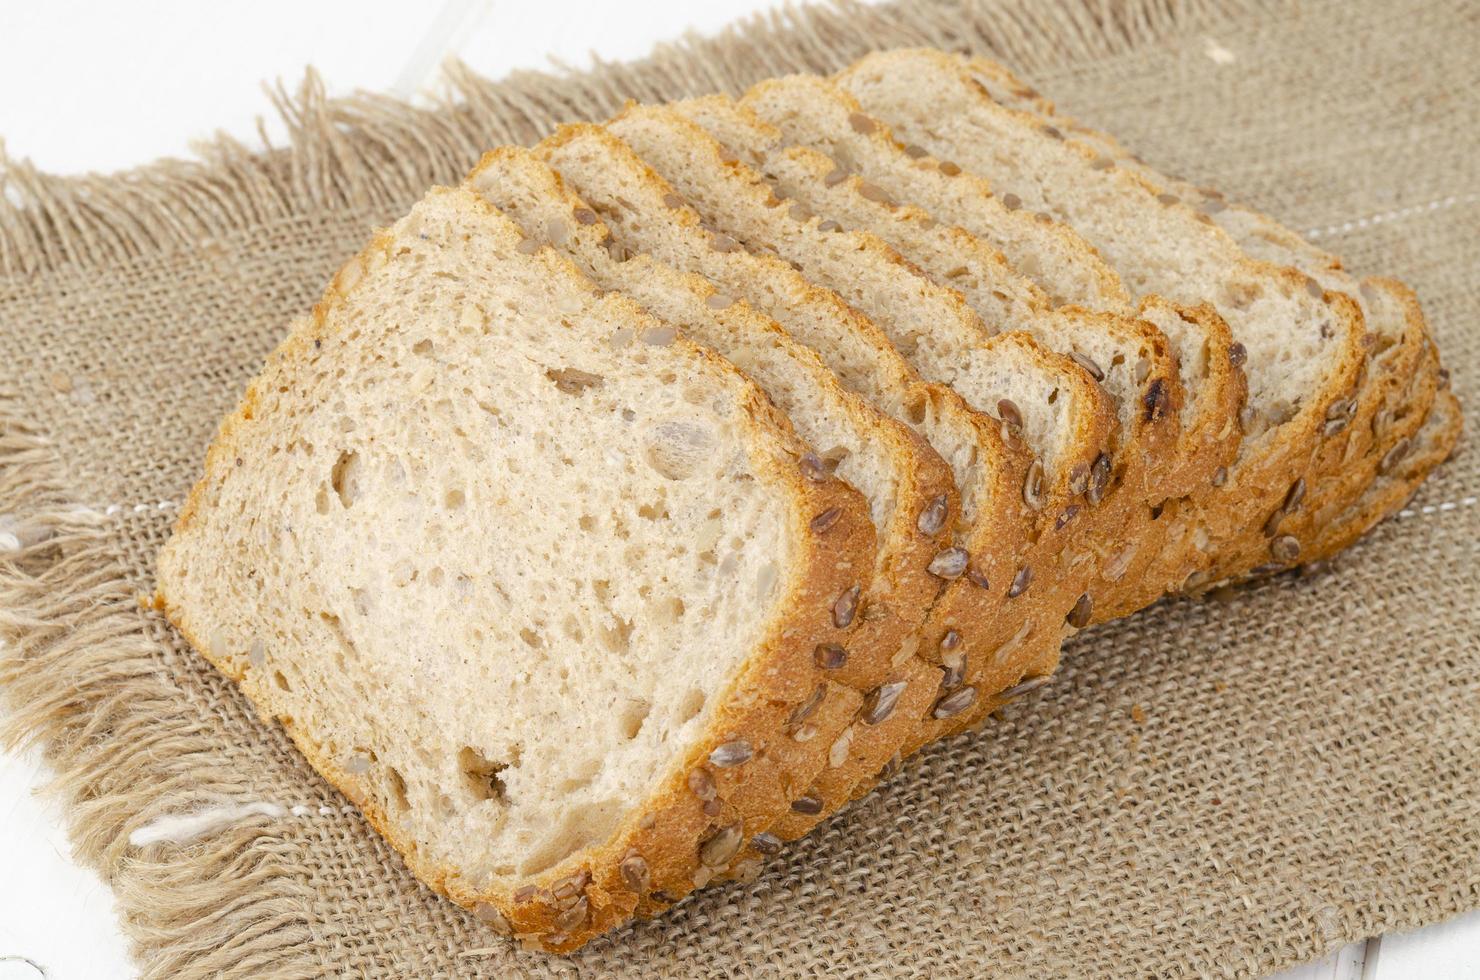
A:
[(1218, 788)]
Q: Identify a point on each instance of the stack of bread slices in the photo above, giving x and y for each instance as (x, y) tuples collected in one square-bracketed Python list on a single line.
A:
[(627, 510)]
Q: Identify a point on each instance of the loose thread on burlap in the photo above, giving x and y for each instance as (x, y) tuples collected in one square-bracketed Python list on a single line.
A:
[(84, 681)]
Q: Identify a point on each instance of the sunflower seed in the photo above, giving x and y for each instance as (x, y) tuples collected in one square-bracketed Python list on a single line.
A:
[(813, 468), (1020, 582), (1065, 517), (731, 754), (875, 193), (804, 710), (526, 894), (1285, 549), (799, 212), (766, 843), (1314, 288), (719, 301), (933, 516), (828, 225), (1168, 199), (635, 873), (951, 640), (949, 169), (568, 887), (1395, 455), (1088, 364), (835, 176), (528, 246), (724, 243), (1272, 523), (830, 656), (1212, 205), (584, 216), (658, 336), (574, 916), (491, 916), (949, 564), (1099, 476), (837, 753), (825, 520), (1334, 427), (702, 784), (978, 578), (716, 850), (1296, 494), (954, 664), (1220, 476), (1008, 412), (1053, 132), (809, 805), (861, 123), (1079, 616), (879, 704), (954, 703), (1079, 478), (673, 200), (1033, 486), (805, 733), (915, 152), (1011, 202), (1101, 163), (846, 607), (1155, 400), (1143, 368), (1019, 689), (1237, 354)]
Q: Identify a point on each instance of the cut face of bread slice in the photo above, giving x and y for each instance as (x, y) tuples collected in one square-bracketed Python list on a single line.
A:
[(990, 549), (1130, 358), (530, 577), (1381, 416), (1302, 352), (897, 471)]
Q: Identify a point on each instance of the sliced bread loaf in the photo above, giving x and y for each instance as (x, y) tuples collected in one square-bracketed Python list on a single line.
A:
[(454, 539), (990, 546), (897, 471), (1380, 417), (1303, 347), (1130, 358), (1053, 404)]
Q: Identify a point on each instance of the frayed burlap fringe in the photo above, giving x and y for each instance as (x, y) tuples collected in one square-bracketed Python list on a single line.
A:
[(368, 150), (83, 680)]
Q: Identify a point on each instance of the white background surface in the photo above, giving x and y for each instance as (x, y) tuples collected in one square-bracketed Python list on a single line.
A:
[(100, 86)]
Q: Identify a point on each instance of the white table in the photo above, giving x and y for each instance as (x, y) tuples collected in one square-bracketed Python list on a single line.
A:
[(113, 85)]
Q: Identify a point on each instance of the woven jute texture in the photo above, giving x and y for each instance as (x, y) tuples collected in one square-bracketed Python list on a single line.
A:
[(1209, 788)]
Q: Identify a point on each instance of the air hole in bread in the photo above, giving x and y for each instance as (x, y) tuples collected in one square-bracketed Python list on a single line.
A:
[(344, 478), (690, 706), (455, 499), (422, 347), (435, 576), (397, 785), (633, 713), (587, 522), (618, 637), (532, 638), (481, 777)]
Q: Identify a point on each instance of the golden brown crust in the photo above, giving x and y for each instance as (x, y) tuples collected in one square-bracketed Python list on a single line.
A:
[(670, 828)]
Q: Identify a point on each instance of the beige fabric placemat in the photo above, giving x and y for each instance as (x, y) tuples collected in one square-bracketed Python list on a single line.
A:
[(1219, 788)]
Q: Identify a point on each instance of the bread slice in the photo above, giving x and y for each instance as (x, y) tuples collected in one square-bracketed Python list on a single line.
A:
[(1385, 412), (894, 467), (534, 580), (1303, 347), (813, 112), (991, 545), (1130, 358), (1054, 404)]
